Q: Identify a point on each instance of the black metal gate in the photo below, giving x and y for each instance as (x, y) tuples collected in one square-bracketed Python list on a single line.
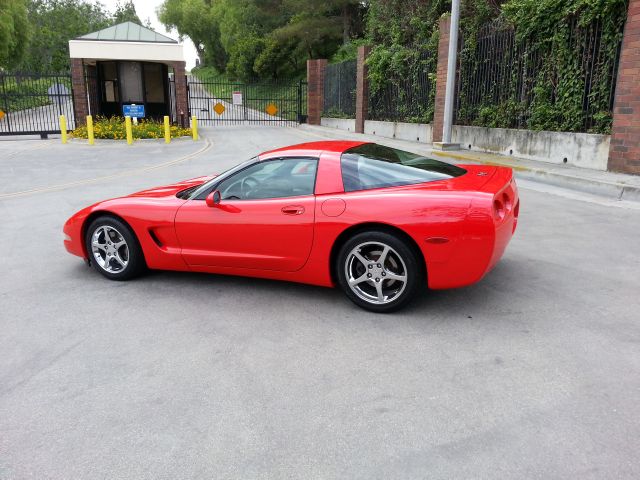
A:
[(234, 103), (31, 104)]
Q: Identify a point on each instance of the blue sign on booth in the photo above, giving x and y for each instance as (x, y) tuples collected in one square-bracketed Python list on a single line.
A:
[(133, 111)]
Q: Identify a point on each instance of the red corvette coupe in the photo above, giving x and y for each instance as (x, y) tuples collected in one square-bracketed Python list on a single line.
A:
[(379, 222)]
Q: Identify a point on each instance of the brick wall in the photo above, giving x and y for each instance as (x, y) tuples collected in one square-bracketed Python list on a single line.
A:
[(441, 78), (79, 87), (362, 88), (624, 152), (315, 89), (182, 102)]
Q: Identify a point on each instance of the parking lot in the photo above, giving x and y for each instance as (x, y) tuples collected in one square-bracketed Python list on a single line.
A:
[(532, 373)]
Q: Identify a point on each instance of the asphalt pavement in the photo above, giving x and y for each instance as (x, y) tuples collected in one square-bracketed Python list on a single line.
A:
[(532, 373)]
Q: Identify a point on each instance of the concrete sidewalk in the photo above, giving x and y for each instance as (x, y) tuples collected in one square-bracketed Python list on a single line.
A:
[(611, 185)]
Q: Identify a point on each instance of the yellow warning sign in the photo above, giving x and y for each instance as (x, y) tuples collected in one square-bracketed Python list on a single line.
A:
[(1, 114), (271, 109), (219, 108)]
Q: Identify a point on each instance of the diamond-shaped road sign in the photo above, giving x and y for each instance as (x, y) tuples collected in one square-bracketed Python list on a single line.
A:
[(219, 108), (271, 109)]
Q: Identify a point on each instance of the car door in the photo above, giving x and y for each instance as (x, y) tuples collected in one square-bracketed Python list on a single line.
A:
[(264, 220)]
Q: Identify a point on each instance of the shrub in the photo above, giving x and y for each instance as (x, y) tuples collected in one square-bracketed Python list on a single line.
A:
[(113, 128)]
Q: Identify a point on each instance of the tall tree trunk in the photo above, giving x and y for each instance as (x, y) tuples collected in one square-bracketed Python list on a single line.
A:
[(346, 23)]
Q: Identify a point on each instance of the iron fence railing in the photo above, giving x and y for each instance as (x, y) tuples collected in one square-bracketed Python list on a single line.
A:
[(32, 103), (566, 84), (340, 90), (225, 102), (409, 97)]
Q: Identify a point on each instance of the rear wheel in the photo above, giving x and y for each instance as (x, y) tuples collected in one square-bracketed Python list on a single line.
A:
[(113, 249), (378, 271)]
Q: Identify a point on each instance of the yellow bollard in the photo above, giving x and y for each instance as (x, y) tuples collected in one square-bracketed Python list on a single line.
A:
[(127, 126), (90, 129), (63, 128), (167, 130), (194, 127)]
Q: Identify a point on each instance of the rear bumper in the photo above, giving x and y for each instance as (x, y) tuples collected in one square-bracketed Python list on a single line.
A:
[(482, 244)]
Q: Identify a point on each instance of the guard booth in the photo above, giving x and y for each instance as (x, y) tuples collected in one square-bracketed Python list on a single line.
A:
[(128, 64)]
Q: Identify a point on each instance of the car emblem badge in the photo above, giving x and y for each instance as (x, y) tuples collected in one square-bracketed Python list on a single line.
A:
[(482, 174)]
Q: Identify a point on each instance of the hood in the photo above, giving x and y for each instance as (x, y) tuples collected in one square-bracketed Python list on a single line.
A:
[(171, 190)]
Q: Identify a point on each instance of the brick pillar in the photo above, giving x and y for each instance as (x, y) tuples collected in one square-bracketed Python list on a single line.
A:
[(79, 88), (362, 88), (624, 152), (441, 78), (92, 89), (182, 102), (315, 90)]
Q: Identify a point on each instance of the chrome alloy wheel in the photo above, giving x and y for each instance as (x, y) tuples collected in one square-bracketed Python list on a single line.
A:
[(110, 250), (375, 272)]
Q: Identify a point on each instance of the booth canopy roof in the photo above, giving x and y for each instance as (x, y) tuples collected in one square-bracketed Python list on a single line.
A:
[(127, 32)]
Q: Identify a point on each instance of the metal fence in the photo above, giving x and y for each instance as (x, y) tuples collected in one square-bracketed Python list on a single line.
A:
[(406, 98), (32, 103), (340, 90), (508, 83), (221, 102)]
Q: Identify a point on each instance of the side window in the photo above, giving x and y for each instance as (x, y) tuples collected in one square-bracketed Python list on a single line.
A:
[(280, 178)]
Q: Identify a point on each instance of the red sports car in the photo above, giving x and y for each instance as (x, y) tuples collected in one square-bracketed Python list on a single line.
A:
[(377, 221)]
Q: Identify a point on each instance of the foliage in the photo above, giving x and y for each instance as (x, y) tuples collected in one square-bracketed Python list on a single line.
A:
[(125, 12), (335, 112), (14, 32), (401, 30), (195, 19), (113, 128), (569, 81), (264, 39), (55, 22)]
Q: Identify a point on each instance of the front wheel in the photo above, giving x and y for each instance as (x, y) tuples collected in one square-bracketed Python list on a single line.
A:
[(113, 249), (378, 271)]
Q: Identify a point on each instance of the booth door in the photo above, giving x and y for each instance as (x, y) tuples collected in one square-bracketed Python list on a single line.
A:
[(156, 89), (109, 89)]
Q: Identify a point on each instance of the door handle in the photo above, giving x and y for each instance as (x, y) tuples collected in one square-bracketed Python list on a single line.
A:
[(293, 210)]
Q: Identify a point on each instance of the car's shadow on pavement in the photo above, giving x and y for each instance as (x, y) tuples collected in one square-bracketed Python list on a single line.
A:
[(482, 298)]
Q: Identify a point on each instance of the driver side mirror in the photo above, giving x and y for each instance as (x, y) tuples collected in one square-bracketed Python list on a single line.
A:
[(213, 199)]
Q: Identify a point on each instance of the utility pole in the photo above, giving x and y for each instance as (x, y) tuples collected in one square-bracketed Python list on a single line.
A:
[(451, 79)]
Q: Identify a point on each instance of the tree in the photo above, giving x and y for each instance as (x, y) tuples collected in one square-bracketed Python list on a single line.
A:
[(14, 32), (126, 12), (264, 38), (54, 23), (195, 19)]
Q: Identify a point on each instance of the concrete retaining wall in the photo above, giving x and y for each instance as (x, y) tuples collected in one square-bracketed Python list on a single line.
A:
[(415, 132), (348, 124), (584, 150)]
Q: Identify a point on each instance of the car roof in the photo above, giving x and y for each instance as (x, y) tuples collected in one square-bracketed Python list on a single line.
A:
[(312, 148)]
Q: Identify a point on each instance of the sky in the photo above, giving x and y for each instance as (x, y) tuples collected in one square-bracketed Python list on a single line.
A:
[(147, 9)]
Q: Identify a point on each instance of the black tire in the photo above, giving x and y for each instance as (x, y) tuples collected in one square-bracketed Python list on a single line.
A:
[(122, 262), (401, 259)]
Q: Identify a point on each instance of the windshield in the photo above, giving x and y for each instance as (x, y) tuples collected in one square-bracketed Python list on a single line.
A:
[(203, 189), (375, 166)]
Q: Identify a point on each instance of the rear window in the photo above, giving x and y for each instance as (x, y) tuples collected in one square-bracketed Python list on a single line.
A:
[(375, 166)]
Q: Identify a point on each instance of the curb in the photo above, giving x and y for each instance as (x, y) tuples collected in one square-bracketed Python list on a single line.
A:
[(616, 190)]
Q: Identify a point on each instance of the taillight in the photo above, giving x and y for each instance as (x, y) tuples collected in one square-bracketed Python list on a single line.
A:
[(506, 201), (498, 209)]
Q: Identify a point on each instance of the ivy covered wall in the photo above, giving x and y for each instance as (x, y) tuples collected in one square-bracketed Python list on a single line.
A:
[(535, 64)]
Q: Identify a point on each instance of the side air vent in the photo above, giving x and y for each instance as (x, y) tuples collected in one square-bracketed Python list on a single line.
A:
[(155, 238)]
